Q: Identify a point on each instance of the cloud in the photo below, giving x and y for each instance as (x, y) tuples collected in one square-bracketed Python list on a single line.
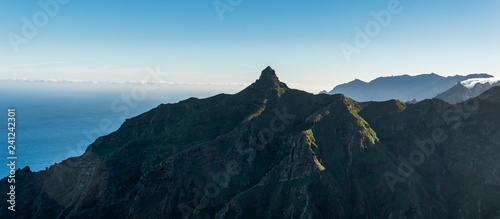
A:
[(128, 82), (32, 64), (51, 68), (36, 68), (469, 83), (32, 68)]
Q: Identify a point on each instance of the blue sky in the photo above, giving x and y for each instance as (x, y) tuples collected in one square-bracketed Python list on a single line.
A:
[(113, 41)]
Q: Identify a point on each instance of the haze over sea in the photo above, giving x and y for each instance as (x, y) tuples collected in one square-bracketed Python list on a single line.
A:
[(55, 121)]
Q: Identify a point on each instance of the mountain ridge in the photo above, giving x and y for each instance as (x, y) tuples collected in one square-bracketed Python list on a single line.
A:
[(403, 87), (460, 92), (274, 152)]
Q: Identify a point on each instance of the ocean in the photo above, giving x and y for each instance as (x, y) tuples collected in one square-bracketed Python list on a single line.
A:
[(53, 125)]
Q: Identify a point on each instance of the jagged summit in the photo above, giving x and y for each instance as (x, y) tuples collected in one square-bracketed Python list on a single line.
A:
[(268, 74), (268, 80), (269, 77)]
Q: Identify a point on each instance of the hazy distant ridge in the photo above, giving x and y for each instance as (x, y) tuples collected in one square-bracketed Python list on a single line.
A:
[(464, 90), (402, 87)]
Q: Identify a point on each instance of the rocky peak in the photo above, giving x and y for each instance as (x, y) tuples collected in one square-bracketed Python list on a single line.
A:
[(268, 77), (268, 74), (268, 81), (458, 87)]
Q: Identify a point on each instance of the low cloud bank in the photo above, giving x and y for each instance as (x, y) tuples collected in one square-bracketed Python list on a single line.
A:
[(469, 83), (125, 82)]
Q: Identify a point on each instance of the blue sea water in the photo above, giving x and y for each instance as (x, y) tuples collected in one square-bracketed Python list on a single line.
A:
[(52, 125), (51, 129)]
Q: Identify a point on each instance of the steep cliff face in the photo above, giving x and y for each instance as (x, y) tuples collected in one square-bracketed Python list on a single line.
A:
[(275, 152)]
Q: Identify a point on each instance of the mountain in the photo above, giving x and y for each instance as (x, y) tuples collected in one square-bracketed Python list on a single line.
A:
[(460, 92), (274, 152), (479, 88), (456, 94), (405, 87)]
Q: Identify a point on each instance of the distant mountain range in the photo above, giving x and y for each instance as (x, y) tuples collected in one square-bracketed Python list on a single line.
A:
[(274, 152), (404, 88), (460, 92)]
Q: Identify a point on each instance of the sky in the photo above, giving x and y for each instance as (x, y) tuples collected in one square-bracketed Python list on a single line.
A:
[(224, 44)]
